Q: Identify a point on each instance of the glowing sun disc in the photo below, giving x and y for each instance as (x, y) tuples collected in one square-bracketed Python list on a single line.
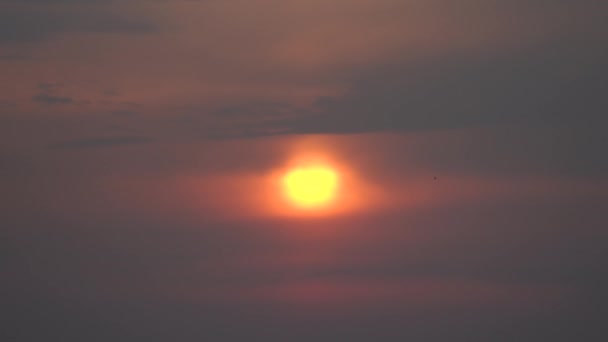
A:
[(311, 187)]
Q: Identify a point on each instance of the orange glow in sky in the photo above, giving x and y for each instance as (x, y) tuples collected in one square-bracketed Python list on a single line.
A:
[(311, 187), (313, 177)]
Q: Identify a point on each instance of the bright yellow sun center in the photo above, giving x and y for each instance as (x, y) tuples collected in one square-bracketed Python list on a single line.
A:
[(311, 186)]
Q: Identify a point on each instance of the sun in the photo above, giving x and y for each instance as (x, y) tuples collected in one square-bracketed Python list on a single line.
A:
[(311, 187)]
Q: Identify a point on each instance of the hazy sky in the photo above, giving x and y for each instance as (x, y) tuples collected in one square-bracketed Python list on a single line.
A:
[(142, 144)]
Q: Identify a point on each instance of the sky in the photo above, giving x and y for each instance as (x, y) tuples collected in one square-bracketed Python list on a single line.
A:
[(144, 145)]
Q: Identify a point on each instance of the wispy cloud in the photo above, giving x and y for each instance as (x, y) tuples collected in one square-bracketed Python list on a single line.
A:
[(102, 142), (52, 99)]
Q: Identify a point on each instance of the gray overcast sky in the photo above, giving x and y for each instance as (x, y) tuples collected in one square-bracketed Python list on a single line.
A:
[(142, 145)]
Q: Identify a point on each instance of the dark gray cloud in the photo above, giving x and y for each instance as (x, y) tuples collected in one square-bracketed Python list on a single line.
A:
[(52, 99), (560, 90), (5, 105), (49, 94), (554, 73), (22, 23), (54, 2), (102, 142), (549, 85), (15, 57)]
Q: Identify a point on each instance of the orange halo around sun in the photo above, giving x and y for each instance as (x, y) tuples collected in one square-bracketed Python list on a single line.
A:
[(311, 187)]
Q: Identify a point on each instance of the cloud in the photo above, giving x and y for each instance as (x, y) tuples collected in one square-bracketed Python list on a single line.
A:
[(34, 21), (111, 93), (125, 113), (102, 142), (48, 95), (16, 57), (549, 83), (455, 92), (5, 105), (54, 2), (46, 86), (51, 99)]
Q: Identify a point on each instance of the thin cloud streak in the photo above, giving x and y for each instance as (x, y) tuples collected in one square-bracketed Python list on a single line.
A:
[(102, 142)]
